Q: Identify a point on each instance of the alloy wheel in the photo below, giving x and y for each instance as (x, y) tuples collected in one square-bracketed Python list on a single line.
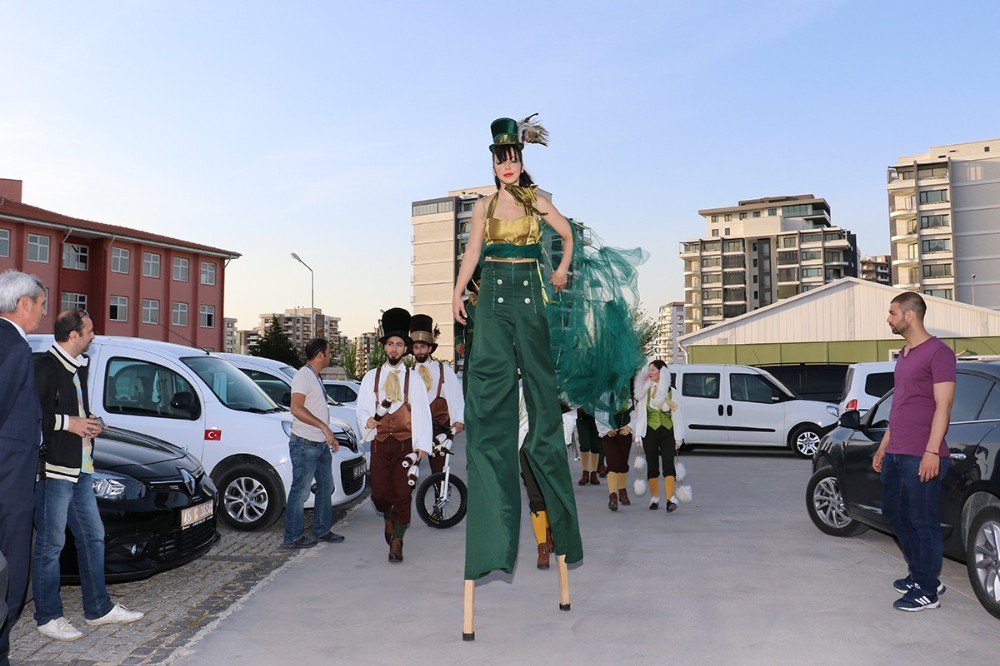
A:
[(807, 443), (829, 504), (987, 558), (245, 499)]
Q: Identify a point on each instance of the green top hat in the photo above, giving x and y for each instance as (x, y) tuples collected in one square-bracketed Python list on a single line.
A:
[(509, 132)]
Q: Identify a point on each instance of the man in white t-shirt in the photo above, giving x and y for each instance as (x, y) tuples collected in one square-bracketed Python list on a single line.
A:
[(309, 447)]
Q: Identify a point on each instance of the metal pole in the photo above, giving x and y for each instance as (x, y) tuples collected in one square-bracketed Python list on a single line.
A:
[(973, 289), (312, 294)]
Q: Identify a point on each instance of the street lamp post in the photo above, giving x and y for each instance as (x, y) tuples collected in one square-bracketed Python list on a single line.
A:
[(312, 294)]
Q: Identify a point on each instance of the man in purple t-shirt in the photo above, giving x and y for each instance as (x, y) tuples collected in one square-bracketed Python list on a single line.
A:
[(913, 456)]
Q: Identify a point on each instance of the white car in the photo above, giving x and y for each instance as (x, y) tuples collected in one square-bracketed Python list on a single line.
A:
[(275, 378), (739, 405), (200, 402), (865, 384), (344, 391)]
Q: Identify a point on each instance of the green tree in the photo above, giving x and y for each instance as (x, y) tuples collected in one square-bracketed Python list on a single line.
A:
[(377, 357), (275, 344), (645, 330), (350, 361)]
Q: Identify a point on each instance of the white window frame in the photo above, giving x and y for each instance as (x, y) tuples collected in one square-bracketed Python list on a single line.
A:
[(150, 311), (208, 273), (205, 311), (120, 302), (35, 241), (181, 263), (118, 256), (80, 255), (178, 309), (79, 302), (4, 242), (148, 264)]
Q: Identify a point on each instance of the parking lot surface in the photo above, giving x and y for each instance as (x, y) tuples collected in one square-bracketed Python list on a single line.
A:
[(738, 576)]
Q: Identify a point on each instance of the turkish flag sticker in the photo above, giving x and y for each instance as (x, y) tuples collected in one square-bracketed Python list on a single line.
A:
[(213, 434)]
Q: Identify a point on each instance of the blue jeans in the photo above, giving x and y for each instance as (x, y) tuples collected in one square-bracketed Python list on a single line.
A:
[(912, 509), (309, 460), (59, 504)]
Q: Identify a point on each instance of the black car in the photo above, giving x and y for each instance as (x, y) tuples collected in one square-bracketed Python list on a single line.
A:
[(156, 502), (844, 495)]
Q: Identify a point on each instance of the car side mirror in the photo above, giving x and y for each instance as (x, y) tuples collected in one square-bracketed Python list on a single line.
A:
[(850, 419), (286, 399)]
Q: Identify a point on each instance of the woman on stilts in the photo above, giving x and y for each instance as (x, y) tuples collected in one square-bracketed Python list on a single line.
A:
[(512, 335)]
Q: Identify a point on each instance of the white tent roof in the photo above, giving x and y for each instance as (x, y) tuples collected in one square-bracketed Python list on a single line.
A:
[(843, 310)]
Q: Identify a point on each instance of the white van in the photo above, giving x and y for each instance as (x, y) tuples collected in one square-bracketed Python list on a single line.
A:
[(865, 384), (739, 405), (201, 403)]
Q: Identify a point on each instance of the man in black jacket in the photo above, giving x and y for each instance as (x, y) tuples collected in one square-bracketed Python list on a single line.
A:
[(22, 304), (65, 496)]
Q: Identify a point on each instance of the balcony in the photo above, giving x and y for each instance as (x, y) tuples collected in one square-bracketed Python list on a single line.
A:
[(902, 230), (689, 249)]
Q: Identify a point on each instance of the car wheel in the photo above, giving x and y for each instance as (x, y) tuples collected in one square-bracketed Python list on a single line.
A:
[(250, 498), (826, 505), (804, 441), (982, 557)]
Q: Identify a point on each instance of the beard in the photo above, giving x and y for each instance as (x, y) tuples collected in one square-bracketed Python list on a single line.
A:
[(393, 360), (421, 358)]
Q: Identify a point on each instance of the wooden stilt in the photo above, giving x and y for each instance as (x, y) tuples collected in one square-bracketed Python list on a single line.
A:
[(563, 583), (468, 632)]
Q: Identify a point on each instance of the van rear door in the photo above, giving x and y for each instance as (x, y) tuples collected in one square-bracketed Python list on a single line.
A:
[(702, 406)]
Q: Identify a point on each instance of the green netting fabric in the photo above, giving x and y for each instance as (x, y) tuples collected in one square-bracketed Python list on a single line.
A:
[(594, 344)]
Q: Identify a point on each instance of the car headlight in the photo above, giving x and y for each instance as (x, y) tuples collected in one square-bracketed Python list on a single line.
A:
[(111, 486), (287, 427)]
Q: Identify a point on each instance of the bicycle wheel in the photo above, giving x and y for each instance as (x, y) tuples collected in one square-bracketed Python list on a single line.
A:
[(438, 509)]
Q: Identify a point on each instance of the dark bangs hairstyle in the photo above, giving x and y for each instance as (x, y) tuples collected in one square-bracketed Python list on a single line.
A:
[(511, 152)]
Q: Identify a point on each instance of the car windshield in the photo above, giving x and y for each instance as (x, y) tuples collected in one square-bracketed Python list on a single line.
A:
[(288, 371), (233, 388), (781, 387)]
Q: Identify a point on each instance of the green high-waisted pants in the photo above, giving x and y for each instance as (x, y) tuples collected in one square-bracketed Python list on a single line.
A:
[(512, 334)]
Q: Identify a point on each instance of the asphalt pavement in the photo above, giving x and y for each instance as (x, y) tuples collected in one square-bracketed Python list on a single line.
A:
[(740, 575)]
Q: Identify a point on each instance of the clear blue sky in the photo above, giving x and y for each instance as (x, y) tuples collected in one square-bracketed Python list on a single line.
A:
[(270, 128)]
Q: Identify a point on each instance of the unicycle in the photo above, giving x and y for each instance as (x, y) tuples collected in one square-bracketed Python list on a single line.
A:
[(442, 497)]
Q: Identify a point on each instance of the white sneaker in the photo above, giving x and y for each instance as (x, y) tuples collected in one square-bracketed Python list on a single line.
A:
[(117, 615), (59, 629)]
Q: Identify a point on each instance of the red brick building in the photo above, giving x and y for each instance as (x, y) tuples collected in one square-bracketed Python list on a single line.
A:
[(131, 282)]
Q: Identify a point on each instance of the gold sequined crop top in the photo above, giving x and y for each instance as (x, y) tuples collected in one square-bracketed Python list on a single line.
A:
[(524, 230)]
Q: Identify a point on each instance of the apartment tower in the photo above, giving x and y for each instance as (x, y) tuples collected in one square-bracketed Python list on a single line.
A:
[(944, 222)]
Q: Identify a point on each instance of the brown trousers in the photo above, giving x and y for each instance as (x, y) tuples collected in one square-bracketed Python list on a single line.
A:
[(616, 451), (390, 491)]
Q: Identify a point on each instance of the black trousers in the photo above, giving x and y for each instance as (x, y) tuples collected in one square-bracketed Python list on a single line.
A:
[(17, 508), (659, 446)]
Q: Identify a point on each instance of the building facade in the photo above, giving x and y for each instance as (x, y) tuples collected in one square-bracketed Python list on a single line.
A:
[(876, 268), (364, 346), (760, 251), (132, 282), (302, 325), (230, 342), (944, 222), (669, 329)]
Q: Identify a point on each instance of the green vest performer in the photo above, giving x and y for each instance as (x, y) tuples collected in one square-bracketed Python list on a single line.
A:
[(512, 334)]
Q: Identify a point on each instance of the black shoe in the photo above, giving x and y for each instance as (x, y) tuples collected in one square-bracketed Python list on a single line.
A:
[(904, 585), (671, 506), (302, 542), (332, 537)]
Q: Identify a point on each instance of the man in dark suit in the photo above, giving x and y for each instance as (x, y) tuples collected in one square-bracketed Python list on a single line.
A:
[(22, 303)]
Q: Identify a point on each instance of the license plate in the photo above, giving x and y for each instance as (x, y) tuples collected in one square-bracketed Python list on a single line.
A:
[(359, 471), (198, 513)]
